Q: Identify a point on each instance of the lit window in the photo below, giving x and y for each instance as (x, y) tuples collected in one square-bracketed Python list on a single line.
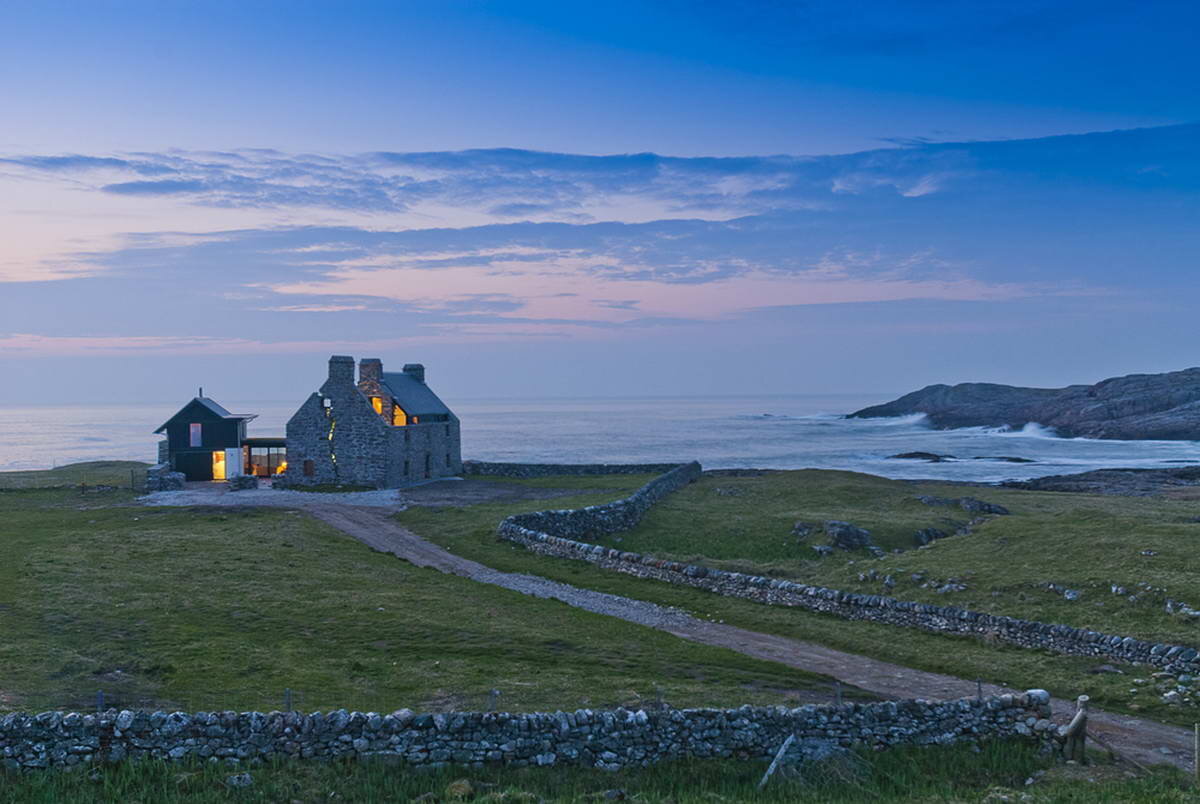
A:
[(399, 417), (195, 435), (377, 403)]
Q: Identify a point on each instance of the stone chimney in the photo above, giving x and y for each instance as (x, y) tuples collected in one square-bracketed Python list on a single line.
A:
[(341, 370), (370, 369), (416, 371)]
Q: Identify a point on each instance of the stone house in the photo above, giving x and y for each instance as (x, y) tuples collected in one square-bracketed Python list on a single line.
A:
[(387, 430)]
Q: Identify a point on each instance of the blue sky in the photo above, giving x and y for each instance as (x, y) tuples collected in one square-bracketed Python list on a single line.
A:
[(543, 198)]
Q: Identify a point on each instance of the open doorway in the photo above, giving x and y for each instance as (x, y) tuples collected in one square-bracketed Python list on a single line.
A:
[(218, 464)]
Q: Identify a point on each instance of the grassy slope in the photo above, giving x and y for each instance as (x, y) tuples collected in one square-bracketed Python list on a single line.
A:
[(1073, 540), (93, 473), (911, 774), (225, 608)]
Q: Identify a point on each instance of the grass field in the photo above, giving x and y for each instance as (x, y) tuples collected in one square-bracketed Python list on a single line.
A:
[(91, 473), (225, 608), (1076, 541), (900, 775)]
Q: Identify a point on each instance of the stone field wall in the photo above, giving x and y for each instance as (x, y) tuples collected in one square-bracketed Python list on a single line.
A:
[(609, 739), (612, 517), (562, 533), (492, 469)]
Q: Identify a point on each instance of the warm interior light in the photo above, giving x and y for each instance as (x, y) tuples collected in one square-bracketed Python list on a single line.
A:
[(281, 468), (218, 465), (377, 403), (399, 417)]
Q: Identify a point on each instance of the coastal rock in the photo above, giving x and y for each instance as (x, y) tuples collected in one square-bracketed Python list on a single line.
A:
[(1117, 482), (845, 536), (1138, 406), (932, 457), (803, 531)]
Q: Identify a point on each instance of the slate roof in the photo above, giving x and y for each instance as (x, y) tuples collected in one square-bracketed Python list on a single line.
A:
[(212, 406), (417, 398)]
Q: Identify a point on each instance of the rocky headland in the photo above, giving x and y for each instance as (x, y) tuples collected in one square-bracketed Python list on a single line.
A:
[(1139, 406)]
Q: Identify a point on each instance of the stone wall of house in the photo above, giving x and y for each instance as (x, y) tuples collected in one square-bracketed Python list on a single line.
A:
[(350, 444), (609, 739), (494, 469), (561, 533), (610, 517)]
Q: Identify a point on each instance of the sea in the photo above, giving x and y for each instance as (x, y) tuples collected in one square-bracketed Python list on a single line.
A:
[(772, 432)]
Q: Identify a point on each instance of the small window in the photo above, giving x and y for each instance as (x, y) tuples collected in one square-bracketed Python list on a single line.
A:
[(447, 460), (377, 403), (416, 419), (399, 417), (407, 469), (310, 469), (447, 429), (195, 435)]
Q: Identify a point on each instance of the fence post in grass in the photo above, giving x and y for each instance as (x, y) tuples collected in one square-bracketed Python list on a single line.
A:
[(979, 688), (287, 699), (99, 700), (778, 758), (493, 696), (837, 692), (1075, 733), (1196, 753)]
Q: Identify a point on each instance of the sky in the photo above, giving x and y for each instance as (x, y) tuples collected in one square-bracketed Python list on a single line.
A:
[(622, 199)]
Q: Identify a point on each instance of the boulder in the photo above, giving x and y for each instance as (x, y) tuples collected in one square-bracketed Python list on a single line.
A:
[(845, 536)]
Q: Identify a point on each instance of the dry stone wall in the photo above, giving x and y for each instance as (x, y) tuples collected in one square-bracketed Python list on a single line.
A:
[(561, 534), (494, 469), (609, 739), (612, 517)]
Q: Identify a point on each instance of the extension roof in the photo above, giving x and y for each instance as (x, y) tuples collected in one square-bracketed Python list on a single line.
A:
[(212, 407), (417, 398)]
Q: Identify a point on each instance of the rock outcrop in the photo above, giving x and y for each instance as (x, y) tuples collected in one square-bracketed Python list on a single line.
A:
[(1139, 406)]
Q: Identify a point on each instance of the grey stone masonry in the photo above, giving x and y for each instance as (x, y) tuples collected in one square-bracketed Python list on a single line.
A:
[(160, 478), (561, 534), (337, 437), (492, 469), (608, 739)]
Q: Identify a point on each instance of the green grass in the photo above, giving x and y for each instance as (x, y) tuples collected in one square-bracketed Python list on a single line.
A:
[(225, 608), (900, 775), (1079, 541), (91, 473)]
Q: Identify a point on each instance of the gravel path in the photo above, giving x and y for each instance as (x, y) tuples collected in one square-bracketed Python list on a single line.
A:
[(1145, 741)]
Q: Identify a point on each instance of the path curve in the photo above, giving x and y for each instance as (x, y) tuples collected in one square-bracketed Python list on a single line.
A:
[(1133, 737)]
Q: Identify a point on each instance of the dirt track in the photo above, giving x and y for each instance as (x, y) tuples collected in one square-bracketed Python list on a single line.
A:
[(1133, 737)]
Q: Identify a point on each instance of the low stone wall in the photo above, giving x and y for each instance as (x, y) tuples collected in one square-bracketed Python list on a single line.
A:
[(609, 739), (610, 517), (160, 478), (487, 468), (561, 533), (875, 608)]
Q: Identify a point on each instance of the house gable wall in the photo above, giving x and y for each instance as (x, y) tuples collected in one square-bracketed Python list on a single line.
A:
[(349, 443)]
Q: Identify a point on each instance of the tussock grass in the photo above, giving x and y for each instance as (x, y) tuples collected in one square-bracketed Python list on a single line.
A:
[(903, 774)]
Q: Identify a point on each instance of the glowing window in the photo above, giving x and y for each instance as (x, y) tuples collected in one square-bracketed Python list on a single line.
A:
[(377, 403), (416, 419), (399, 417), (195, 435)]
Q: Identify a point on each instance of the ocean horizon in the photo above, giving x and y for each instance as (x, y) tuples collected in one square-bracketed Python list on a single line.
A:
[(769, 431)]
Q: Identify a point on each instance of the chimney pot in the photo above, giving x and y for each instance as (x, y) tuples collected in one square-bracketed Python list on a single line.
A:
[(416, 371)]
